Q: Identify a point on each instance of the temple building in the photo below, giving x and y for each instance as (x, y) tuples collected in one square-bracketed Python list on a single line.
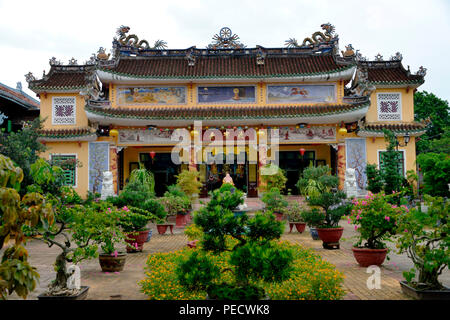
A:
[(323, 106)]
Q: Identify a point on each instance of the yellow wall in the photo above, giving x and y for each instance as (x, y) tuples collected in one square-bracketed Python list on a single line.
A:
[(81, 151), (379, 144), (407, 104), (46, 110)]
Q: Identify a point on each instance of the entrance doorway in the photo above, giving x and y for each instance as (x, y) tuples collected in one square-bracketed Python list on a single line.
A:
[(293, 163), (215, 173), (163, 169)]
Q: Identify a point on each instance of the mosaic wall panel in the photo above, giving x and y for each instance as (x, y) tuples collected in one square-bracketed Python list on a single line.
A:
[(389, 106), (151, 95), (356, 158), (63, 110), (98, 163), (301, 93), (225, 94)]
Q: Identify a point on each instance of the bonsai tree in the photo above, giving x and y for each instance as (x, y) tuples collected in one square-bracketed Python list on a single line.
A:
[(144, 177), (255, 255), (333, 208), (134, 194), (425, 237), (16, 274), (189, 183), (316, 180), (227, 196), (293, 212), (375, 219), (277, 180), (174, 204), (313, 217), (275, 201)]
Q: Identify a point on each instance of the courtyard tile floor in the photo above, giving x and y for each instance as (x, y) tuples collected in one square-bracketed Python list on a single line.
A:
[(124, 285)]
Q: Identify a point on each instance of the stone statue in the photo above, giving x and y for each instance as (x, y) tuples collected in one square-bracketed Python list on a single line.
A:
[(107, 185), (350, 187), (74, 281)]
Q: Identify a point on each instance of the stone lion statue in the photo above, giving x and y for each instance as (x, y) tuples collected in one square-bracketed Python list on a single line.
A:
[(107, 185), (350, 182)]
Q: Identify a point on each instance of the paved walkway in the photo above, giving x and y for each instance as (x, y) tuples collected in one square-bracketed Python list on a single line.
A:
[(124, 285)]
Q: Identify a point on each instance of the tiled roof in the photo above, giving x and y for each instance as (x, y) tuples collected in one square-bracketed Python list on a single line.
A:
[(230, 66), (389, 72), (228, 112), (71, 133), (18, 96), (64, 78), (375, 128)]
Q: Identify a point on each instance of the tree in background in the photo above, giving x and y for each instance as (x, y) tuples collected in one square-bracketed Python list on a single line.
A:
[(23, 148), (435, 168), (427, 105), (393, 180)]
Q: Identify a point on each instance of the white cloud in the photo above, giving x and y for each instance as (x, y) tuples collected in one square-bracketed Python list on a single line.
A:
[(31, 32)]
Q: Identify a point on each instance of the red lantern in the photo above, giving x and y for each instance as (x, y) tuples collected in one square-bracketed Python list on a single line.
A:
[(302, 151), (152, 154)]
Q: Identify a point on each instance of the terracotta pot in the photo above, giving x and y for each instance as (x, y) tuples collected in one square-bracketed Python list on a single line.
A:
[(279, 216), (368, 257), (330, 235), (162, 228), (425, 294), (110, 263), (138, 240), (180, 220), (300, 226), (80, 296)]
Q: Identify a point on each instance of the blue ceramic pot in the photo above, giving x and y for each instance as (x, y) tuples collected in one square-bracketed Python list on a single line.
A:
[(149, 236), (314, 233)]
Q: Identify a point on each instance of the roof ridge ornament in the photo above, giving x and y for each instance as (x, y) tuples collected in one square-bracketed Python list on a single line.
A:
[(349, 51), (54, 62), (30, 77), (132, 40), (73, 62), (101, 54), (260, 55), (398, 57), (317, 37), (379, 57), (190, 57), (422, 71), (360, 57), (225, 39)]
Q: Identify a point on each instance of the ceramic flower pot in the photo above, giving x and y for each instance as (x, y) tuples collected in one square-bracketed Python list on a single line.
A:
[(300, 226), (137, 240), (368, 257), (330, 235), (80, 296), (162, 228), (279, 216), (150, 233), (112, 263), (314, 234), (425, 294), (180, 221)]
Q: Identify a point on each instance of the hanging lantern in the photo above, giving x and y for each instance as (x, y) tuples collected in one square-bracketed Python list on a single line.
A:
[(113, 133), (152, 154), (302, 151), (342, 130)]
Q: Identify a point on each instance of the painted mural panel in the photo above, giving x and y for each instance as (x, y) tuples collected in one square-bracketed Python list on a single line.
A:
[(98, 162), (151, 95), (312, 134), (356, 158), (301, 93), (226, 94)]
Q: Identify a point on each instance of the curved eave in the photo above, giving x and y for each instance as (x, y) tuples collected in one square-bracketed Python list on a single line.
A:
[(110, 76), (372, 133), (57, 89), (89, 137), (355, 113)]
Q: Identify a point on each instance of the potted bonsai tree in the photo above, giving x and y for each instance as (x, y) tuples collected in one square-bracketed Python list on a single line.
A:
[(134, 224), (295, 218), (276, 180), (425, 237), (176, 203), (376, 221), (275, 202), (228, 197), (333, 208), (313, 218), (255, 255)]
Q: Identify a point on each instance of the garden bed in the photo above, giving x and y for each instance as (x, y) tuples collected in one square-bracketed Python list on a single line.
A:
[(311, 279)]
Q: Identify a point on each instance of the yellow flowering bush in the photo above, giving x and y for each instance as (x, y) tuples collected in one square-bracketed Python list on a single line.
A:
[(311, 278)]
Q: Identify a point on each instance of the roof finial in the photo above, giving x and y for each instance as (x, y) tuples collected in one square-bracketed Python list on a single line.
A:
[(29, 77), (19, 86), (398, 57), (379, 57), (422, 71), (225, 40)]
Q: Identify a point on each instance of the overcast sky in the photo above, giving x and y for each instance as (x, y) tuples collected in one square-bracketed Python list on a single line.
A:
[(31, 32)]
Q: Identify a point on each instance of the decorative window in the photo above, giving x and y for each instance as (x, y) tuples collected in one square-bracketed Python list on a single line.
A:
[(389, 106), (63, 110), (401, 161), (67, 163)]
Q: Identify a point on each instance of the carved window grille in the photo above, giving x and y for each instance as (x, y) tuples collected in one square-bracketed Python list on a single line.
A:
[(63, 110), (389, 106), (70, 172)]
